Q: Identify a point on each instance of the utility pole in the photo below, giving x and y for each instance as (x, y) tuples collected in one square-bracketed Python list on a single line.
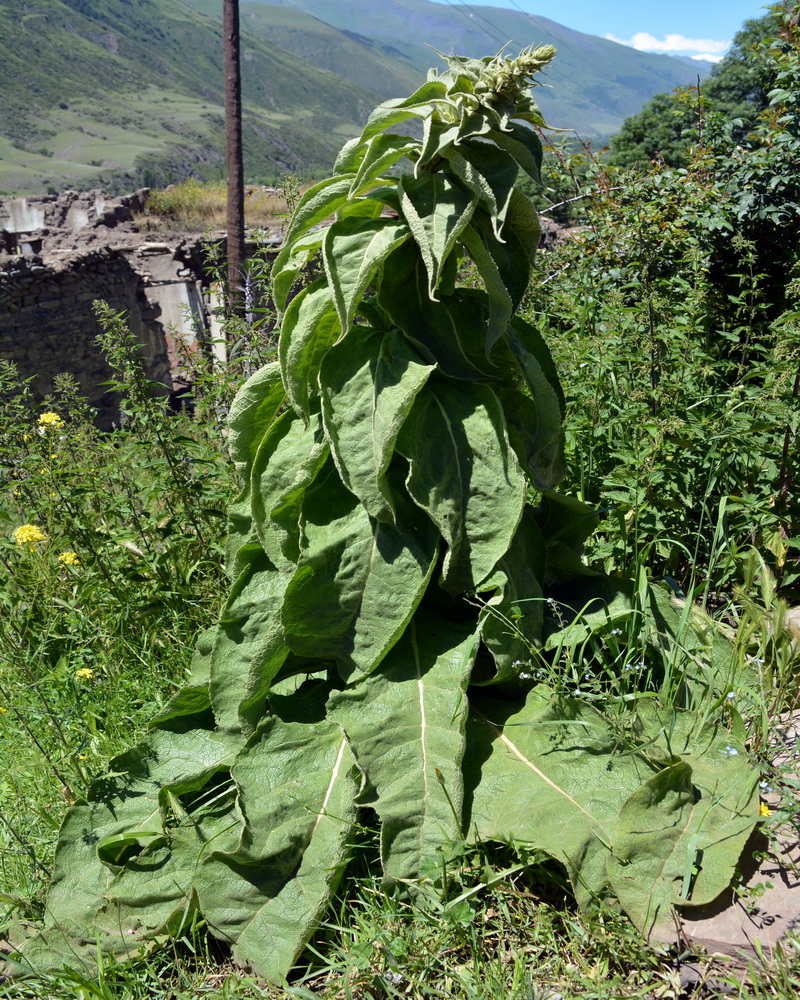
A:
[(231, 65)]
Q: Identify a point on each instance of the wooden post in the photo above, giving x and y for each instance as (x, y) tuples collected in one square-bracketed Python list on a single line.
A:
[(233, 145)]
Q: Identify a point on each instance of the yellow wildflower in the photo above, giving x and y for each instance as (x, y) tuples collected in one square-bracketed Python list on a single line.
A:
[(50, 419), (27, 536), (84, 674), (3, 711), (764, 809), (69, 559)]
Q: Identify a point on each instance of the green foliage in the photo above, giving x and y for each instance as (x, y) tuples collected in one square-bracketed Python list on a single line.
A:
[(676, 311), (398, 557), (736, 92)]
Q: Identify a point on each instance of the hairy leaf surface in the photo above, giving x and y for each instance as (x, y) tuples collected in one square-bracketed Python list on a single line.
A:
[(368, 383), (310, 326), (436, 210), (353, 249), (412, 759), (358, 580), (465, 475)]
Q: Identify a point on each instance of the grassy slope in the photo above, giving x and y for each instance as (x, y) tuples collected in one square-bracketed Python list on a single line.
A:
[(595, 83), (379, 67), (103, 90)]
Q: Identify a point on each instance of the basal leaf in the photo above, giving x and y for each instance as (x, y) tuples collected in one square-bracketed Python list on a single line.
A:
[(465, 475), (411, 759), (550, 774), (290, 457), (681, 834), (353, 249), (266, 895), (358, 580), (249, 648), (436, 210), (310, 325), (129, 802), (368, 382)]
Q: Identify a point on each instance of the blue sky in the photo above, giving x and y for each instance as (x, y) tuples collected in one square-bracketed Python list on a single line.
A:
[(700, 28)]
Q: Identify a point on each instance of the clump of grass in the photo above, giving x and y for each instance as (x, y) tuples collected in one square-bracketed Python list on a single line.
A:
[(201, 205)]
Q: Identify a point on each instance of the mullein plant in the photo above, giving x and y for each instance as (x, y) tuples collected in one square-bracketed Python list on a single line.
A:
[(392, 556)]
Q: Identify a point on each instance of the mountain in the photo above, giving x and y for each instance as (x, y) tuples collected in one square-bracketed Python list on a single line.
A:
[(121, 93), (375, 65), (128, 92), (592, 85)]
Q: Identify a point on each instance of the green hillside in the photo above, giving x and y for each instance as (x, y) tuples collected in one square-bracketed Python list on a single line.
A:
[(594, 84), (375, 65), (124, 93)]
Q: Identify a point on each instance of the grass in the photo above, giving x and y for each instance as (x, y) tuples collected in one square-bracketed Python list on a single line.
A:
[(196, 205), (91, 647)]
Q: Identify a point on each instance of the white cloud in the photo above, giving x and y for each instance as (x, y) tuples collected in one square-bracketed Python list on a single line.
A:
[(707, 48)]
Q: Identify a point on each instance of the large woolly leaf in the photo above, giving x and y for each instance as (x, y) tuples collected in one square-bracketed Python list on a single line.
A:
[(535, 431), (523, 144), (318, 202), (249, 647), (526, 340), (298, 786), (310, 325), (128, 813), (436, 210), (501, 305), (420, 104), (380, 152), (252, 411), (488, 174), (550, 774), (353, 249), (405, 723), (465, 475), (368, 382), (289, 263), (358, 580), (680, 836), (403, 295), (291, 455)]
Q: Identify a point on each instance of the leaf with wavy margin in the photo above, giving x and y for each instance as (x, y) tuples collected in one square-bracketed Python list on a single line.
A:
[(465, 475), (368, 383), (411, 758)]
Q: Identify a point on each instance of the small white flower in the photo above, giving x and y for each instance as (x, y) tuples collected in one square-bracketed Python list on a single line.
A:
[(730, 695)]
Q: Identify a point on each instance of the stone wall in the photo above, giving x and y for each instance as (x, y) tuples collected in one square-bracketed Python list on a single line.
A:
[(48, 325)]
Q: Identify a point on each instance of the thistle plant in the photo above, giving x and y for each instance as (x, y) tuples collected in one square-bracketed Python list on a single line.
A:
[(391, 555)]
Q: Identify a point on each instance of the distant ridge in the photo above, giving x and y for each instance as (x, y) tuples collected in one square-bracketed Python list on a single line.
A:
[(593, 85)]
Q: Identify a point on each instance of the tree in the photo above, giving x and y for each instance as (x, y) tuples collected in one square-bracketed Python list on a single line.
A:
[(737, 89)]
